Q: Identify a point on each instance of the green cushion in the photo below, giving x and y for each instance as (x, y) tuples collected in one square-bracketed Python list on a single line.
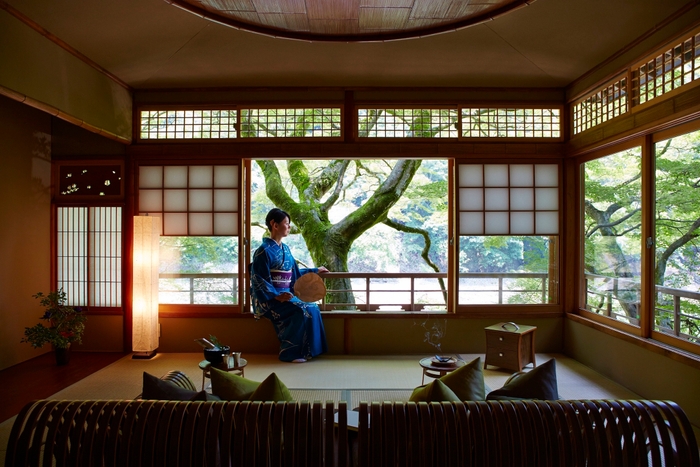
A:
[(231, 387), (156, 388), (271, 389), (538, 383), (465, 384), (436, 391)]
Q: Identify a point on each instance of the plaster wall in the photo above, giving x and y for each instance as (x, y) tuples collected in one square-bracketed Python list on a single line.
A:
[(367, 335), (25, 181), (649, 374), (33, 66)]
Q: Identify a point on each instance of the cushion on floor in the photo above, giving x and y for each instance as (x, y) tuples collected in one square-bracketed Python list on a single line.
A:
[(232, 387), (466, 383), (156, 388), (271, 389), (538, 383)]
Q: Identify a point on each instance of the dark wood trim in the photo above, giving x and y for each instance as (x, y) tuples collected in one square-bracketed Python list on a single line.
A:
[(53, 111), (383, 89), (648, 259), (217, 151), (645, 343), (653, 117)]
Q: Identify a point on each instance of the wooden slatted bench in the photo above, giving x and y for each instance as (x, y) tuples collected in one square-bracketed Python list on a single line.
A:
[(494, 433)]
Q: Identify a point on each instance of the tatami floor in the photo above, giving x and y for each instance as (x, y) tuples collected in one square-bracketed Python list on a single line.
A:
[(332, 377)]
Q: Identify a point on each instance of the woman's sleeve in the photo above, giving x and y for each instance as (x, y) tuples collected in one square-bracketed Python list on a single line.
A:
[(261, 283)]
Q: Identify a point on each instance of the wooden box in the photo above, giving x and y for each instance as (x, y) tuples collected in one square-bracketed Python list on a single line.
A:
[(510, 346)]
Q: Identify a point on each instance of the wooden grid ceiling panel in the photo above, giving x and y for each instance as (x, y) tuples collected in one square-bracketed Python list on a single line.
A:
[(349, 20)]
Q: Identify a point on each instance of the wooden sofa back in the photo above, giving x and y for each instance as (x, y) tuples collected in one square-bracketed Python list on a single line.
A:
[(493, 433)]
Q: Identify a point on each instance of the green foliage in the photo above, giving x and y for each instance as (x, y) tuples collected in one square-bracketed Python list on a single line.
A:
[(199, 254), (378, 249), (613, 242), (66, 324)]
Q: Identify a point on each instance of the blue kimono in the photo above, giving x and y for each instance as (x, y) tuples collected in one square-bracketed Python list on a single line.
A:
[(298, 324)]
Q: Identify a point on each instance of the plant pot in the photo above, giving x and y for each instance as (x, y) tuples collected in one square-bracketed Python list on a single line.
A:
[(216, 356), (62, 355)]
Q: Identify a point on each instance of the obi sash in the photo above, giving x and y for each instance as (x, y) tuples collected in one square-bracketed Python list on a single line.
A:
[(281, 279)]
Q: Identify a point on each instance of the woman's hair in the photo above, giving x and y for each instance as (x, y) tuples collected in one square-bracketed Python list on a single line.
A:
[(277, 215)]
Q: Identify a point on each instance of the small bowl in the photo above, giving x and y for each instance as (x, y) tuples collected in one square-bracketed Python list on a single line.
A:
[(216, 356)]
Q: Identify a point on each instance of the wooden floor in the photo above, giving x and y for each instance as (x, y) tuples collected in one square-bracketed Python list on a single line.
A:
[(40, 377)]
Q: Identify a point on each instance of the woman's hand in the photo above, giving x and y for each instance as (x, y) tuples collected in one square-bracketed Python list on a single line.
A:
[(322, 269), (284, 297)]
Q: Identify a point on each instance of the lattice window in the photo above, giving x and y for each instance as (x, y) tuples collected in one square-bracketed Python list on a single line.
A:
[(191, 200), (667, 71), (511, 123), (508, 199), (601, 105), (291, 123), (89, 255), (407, 123), (188, 124)]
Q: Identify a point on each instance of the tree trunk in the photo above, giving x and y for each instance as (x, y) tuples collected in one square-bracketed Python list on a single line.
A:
[(329, 244)]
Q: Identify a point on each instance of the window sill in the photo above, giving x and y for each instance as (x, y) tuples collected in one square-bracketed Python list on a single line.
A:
[(651, 345)]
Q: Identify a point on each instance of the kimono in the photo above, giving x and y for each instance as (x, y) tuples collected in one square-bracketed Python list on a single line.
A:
[(298, 324)]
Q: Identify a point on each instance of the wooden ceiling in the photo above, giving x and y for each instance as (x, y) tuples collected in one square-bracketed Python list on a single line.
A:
[(349, 20)]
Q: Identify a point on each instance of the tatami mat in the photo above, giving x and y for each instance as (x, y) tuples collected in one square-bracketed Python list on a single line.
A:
[(332, 377)]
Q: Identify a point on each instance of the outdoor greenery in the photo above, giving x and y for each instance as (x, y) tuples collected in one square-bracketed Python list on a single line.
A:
[(210, 263), (358, 215), (613, 237)]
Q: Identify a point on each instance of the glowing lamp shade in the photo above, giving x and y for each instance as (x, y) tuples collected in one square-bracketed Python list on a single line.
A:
[(146, 263)]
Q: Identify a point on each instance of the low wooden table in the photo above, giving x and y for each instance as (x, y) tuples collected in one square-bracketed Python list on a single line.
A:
[(510, 346), (435, 371), (205, 366)]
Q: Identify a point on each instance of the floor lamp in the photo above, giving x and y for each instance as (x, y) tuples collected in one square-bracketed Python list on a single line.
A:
[(146, 263)]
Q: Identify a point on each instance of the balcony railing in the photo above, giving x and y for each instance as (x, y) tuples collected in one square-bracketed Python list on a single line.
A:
[(373, 292), (198, 289), (619, 298)]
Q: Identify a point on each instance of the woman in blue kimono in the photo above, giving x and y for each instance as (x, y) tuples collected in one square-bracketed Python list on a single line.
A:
[(273, 273)]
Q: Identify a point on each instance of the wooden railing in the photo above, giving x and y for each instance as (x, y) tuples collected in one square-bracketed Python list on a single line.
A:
[(501, 290), (217, 287), (611, 304), (376, 292)]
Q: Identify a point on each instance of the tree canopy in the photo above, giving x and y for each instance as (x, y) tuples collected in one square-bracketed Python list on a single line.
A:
[(333, 203), (613, 220)]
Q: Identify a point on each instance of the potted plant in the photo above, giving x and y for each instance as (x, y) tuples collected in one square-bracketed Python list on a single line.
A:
[(66, 325)]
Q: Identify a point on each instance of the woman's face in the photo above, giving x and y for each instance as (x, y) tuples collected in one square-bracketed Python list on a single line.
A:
[(282, 228)]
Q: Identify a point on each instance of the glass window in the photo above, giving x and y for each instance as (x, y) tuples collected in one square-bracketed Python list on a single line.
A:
[(199, 270), (612, 234), (380, 226), (497, 270), (508, 218), (677, 227), (199, 248)]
